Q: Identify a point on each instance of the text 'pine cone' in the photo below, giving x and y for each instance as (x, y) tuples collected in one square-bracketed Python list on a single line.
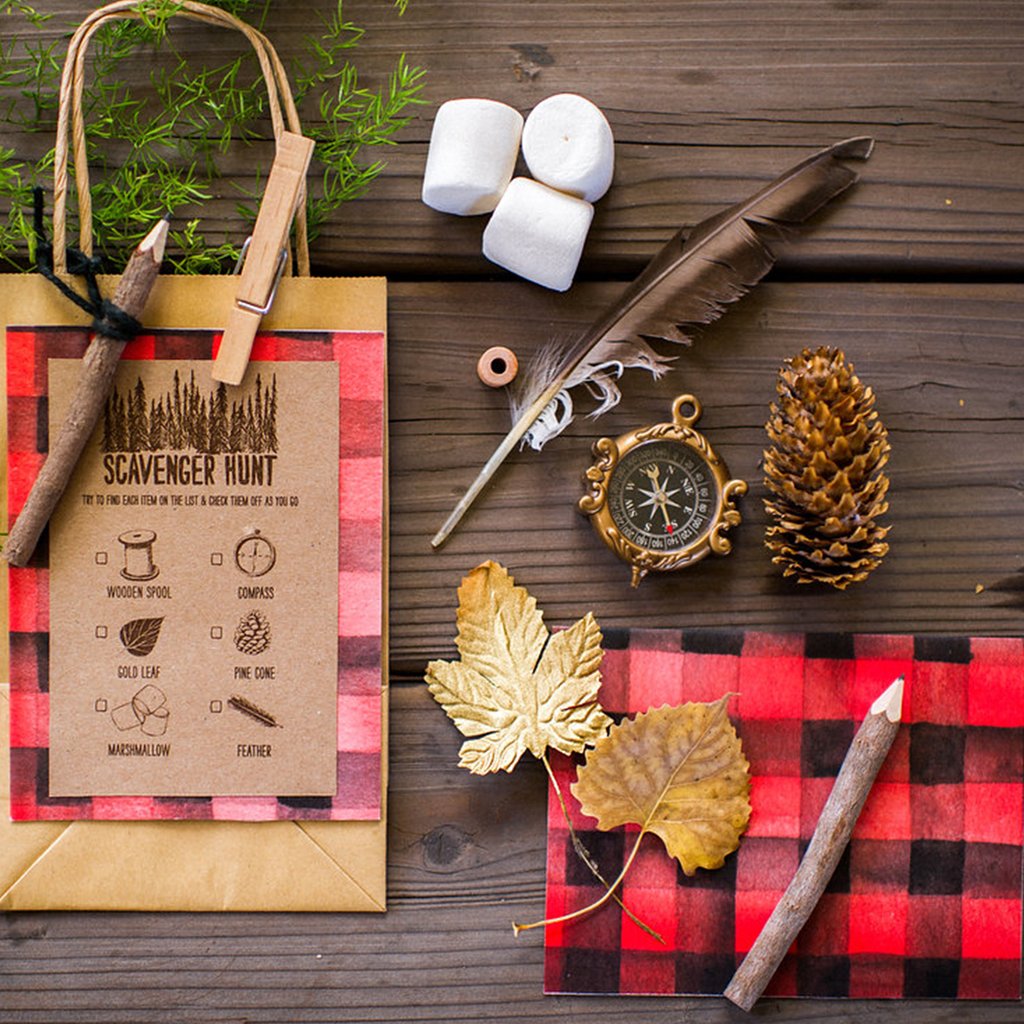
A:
[(824, 472)]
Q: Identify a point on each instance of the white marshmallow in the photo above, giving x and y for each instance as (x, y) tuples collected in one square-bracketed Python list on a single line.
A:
[(473, 148), (538, 233), (567, 144)]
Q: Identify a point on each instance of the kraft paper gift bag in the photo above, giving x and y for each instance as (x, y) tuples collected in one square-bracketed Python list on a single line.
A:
[(312, 861), (198, 865)]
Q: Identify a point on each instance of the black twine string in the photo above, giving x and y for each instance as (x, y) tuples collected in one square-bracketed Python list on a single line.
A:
[(109, 320)]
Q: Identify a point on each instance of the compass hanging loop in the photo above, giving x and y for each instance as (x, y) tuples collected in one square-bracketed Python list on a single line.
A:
[(682, 418)]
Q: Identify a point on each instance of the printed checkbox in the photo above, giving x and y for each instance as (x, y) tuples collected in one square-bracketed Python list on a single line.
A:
[(216, 632), (101, 632), (216, 706), (217, 558), (101, 558), (101, 704)]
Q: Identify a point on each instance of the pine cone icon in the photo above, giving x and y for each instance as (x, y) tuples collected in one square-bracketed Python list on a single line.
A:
[(252, 635), (824, 472)]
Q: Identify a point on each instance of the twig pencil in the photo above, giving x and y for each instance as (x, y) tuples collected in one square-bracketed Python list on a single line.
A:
[(831, 835), (98, 368)]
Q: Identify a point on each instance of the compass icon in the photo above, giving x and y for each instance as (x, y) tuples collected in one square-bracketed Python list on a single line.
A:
[(254, 554)]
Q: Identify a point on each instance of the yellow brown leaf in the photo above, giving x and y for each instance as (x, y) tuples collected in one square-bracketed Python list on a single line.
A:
[(516, 688), (678, 772)]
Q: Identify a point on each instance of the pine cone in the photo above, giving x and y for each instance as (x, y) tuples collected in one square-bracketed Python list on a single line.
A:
[(252, 635), (824, 472)]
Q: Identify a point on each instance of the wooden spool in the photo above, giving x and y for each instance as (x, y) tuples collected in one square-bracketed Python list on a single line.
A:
[(498, 366)]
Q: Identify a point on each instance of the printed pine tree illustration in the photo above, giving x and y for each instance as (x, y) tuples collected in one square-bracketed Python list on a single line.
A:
[(121, 423), (257, 417), (217, 440), (200, 426), (236, 431), (191, 420), (183, 418), (156, 426), (173, 431), (138, 421), (252, 437), (270, 419)]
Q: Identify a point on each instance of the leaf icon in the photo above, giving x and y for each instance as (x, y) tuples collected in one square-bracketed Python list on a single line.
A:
[(139, 636)]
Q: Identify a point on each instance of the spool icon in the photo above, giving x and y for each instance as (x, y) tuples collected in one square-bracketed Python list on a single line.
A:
[(138, 555)]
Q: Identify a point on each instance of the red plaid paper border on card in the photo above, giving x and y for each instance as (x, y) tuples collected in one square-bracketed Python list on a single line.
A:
[(361, 359), (926, 901)]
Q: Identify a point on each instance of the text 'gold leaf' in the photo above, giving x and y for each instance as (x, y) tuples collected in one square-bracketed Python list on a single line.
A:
[(516, 688), (678, 772)]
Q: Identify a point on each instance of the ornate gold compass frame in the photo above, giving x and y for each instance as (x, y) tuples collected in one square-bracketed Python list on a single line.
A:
[(610, 451)]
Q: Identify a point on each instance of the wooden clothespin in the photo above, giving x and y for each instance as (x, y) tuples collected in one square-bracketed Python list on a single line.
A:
[(264, 255)]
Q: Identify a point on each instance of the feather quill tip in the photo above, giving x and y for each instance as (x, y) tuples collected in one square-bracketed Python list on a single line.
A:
[(858, 148)]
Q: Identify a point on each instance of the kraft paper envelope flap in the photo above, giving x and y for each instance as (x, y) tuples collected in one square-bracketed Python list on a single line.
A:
[(190, 865)]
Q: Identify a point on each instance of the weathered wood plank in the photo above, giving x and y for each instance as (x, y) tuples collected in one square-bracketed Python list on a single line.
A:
[(946, 364), (707, 100)]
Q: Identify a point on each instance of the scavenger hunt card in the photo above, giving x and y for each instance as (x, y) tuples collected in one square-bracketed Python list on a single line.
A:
[(203, 636), (193, 592)]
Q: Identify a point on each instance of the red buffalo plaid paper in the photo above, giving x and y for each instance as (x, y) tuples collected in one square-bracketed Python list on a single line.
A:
[(926, 901), (361, 367)]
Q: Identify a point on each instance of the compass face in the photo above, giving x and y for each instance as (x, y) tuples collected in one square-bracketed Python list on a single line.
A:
[(662, 496), (255, 555)]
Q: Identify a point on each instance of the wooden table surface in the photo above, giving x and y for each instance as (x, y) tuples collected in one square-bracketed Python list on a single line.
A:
[(918, 274)]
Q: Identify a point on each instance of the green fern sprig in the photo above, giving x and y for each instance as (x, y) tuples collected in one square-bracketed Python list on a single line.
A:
[(150, 155)]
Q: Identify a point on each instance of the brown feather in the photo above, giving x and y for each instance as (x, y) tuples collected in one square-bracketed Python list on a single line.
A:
[(689, 281), (694, 276)]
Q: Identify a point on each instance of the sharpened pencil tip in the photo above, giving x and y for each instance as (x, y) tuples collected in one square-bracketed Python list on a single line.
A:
[(891, 701), (155, 242)]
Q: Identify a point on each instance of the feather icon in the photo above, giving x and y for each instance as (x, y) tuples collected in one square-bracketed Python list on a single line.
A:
[(690, 280)]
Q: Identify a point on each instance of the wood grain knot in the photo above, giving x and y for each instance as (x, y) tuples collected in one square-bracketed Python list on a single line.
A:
[(445, 844), (529, 59)]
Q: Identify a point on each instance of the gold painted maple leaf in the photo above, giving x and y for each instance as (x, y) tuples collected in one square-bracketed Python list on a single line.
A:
[(516, 687)]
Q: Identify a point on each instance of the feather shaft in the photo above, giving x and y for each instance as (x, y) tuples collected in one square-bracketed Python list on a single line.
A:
[(690, 280), (501, 453)]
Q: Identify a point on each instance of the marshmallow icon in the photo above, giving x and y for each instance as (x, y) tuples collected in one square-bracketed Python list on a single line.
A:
[(473, 148), (538, 233), (567, 144)]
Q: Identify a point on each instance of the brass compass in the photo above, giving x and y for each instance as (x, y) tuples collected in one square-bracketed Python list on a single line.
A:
[(659, 496)]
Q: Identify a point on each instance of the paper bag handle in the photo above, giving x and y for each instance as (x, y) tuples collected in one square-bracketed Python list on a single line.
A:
[(71, 124)]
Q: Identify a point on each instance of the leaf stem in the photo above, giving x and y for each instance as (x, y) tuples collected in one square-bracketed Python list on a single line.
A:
[(584, 854), (596, 905)]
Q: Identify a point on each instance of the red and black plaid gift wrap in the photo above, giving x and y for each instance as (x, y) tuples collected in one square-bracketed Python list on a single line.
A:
[(926, 901), (361, 372)]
